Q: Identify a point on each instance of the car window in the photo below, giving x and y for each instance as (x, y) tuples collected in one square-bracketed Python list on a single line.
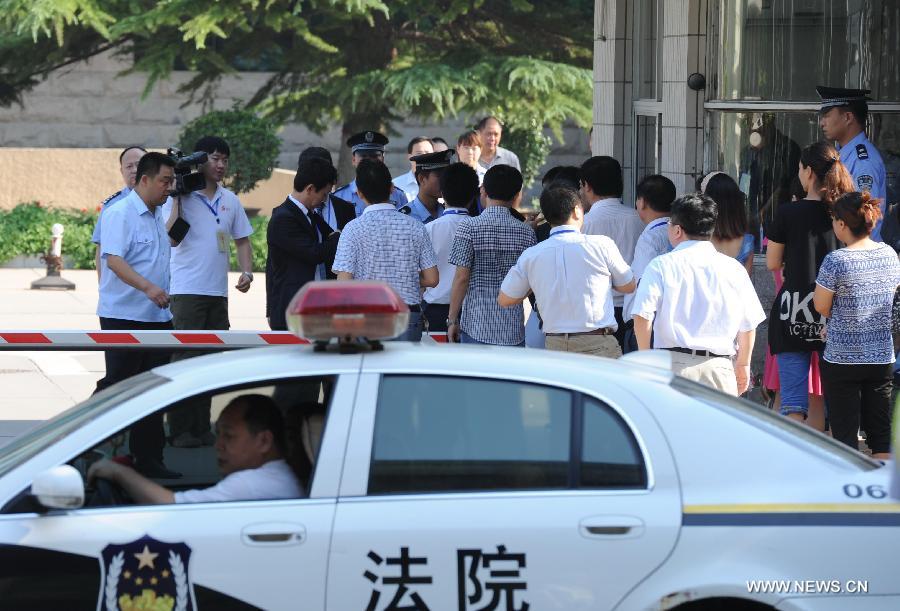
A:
[(29, 444), (760, 417), (211, 467), (442, 434), (610, 457)]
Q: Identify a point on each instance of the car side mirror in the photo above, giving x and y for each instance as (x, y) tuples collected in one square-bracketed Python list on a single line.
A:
[(61, 487)]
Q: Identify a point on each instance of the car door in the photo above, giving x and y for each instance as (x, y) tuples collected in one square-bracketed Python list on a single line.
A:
[(479, 493), (268, 554)]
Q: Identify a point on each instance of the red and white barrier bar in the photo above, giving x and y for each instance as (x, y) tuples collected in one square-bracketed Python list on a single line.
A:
[(152, 340)]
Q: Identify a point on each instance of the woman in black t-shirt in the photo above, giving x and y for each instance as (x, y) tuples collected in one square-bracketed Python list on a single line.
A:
[(799, 238)]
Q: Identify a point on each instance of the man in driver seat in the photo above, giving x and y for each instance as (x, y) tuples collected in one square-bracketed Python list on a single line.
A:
[(250, 450)]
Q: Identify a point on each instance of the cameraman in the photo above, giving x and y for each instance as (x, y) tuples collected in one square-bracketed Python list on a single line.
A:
[(199, 268)]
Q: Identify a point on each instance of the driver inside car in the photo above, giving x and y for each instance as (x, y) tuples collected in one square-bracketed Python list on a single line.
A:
[(250, 450)]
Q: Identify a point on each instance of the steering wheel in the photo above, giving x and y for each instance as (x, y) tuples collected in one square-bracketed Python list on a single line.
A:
[(107, 493)]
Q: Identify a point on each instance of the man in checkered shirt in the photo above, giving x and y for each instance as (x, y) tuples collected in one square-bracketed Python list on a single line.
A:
[(484, 249), (385, 244)]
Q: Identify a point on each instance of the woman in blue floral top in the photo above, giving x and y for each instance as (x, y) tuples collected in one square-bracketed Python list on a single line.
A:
[(855, 291)]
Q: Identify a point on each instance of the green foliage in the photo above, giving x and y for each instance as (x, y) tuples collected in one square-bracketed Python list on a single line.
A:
[(253, 142), (531, 145), (258, 244), (26, 231), (352, 62)]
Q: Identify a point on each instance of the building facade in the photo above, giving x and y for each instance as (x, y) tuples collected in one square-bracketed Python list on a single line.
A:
[(757, 107)]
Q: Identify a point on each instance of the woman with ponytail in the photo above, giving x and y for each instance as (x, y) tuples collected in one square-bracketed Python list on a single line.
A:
[(800, 237), (855, 291)]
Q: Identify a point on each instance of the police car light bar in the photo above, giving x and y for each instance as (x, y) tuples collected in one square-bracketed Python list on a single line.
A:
[(321, 311)]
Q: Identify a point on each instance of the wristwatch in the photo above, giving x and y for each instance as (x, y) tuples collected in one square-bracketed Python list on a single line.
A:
[(450, 323), (248, 274)]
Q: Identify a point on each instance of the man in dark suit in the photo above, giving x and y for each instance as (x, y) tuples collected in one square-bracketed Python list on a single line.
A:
[(301, 242), (337, 212)]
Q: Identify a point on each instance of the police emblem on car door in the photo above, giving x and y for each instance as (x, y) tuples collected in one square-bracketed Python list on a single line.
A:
[(146, 574)]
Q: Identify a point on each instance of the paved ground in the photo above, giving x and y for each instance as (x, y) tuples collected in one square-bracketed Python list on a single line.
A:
[(38, 385)]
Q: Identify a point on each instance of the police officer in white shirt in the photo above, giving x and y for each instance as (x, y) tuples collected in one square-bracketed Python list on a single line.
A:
[(459, 186), (601, 194), (654, 196), (250, 451), (419, 145), (572, 276), (699, 303)]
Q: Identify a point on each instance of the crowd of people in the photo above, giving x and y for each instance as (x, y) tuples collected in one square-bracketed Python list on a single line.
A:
[(603, 276)]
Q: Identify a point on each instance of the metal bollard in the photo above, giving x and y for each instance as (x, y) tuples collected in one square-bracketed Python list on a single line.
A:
[(54, 261)]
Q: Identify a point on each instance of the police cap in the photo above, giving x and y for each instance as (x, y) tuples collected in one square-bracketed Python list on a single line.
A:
[(433, 161), (367, 142), (838, 96)]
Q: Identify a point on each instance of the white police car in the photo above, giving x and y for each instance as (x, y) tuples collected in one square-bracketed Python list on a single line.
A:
[(455, 478)]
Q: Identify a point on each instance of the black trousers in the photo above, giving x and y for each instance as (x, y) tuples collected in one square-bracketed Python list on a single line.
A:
[(622, 328), (147, 437), (436, 314), (195, 313), (859, 396)]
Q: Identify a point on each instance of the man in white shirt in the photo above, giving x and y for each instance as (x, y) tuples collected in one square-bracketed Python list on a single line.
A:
[(492, 154), (459, 186), (572, 276), (199, 268), (601, 193), (654, 197), (419, 145), (250, 450), (699, 303)]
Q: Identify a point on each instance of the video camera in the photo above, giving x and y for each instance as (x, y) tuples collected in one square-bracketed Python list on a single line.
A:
[(187, 180)]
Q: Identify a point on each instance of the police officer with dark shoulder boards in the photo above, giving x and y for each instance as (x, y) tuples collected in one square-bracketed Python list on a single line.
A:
[(429, 169), (367, 145), (842, 117), (128, 163)]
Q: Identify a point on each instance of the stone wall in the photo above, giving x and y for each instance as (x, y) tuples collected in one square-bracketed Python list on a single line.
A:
[(91, 106)]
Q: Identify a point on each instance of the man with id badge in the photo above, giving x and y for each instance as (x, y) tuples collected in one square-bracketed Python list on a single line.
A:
[(572, 275), (199, 271)]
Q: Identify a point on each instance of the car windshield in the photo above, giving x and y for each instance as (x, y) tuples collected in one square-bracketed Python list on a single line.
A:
[(759, 416), (50, 431)]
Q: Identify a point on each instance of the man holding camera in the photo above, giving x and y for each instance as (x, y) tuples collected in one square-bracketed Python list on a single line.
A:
[(199, 268)]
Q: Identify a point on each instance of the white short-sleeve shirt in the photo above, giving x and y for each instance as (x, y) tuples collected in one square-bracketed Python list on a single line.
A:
[(199, 265), (612, 218), (654, 241), (442, 231), (697, 298), (273, 480), (572, 276)]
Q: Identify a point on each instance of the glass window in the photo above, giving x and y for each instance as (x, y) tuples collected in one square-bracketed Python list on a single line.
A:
[(29, 444), (762, 149), (648, 141), (773, 50), (610, 457), (435, 434), (297, 414), (760, 417), (647, 48)]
